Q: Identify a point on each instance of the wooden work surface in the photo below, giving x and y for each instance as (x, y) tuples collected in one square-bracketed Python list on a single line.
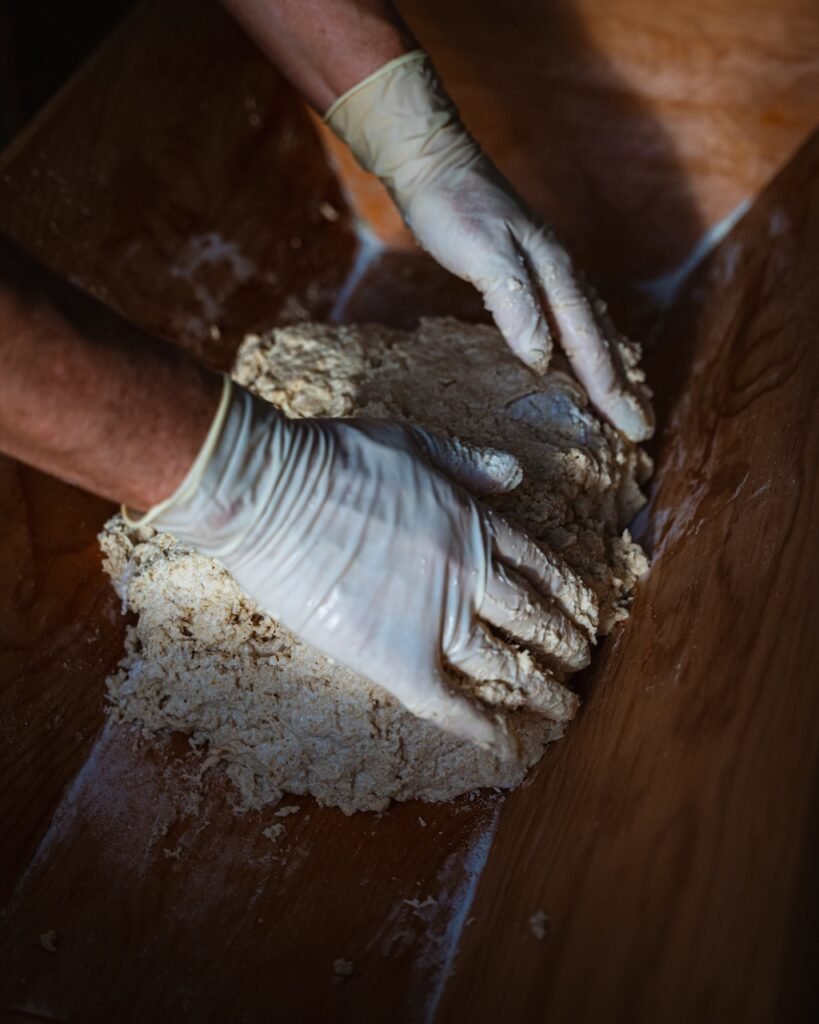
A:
[(671, 836)]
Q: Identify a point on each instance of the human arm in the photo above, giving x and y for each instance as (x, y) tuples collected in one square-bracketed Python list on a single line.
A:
[(88, 397), (324, 47), (363, 537)]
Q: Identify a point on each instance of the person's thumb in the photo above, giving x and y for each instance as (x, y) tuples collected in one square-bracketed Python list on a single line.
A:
[(480, 469)]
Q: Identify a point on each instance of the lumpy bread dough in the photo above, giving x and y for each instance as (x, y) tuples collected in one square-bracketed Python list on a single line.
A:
[(282, 718)]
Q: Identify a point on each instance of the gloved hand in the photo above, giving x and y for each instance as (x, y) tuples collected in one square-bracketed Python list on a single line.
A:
[(360, 537), (401, 125)]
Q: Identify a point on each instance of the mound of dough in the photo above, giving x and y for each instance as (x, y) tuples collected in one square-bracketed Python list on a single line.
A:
[(282, 718)]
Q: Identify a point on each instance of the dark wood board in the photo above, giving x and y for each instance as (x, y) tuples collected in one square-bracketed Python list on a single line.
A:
[(673, 841), (178, 178), (632, 126)]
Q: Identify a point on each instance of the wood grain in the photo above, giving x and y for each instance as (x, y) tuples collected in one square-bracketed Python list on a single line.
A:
[(158, 208), (60, 627), (666, 840), (632, 127), (146, 155), (199, 916), (178, 178)]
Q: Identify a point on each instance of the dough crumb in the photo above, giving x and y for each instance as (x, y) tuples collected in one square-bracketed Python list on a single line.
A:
[(48, 940), (328, 211), (274, 715), (540, 923), (284, 812), (421, 822), (273, 832), (343, 968)]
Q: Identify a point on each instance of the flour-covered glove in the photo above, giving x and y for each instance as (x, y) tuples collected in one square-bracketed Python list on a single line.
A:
[(361, 536), (401, 125)]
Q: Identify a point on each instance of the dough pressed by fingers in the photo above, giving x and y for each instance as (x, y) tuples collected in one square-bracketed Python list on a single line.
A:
[(501, 674), (280, 718), (516, 608), (546, 573)]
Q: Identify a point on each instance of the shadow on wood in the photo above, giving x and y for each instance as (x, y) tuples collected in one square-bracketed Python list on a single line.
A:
[(178, 178)]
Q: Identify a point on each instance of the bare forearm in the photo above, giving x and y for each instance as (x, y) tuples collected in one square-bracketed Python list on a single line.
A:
[(324, 46), (89, 398)]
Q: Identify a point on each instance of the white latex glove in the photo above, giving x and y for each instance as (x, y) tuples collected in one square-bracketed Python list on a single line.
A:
[(401, 125), (359, 536)]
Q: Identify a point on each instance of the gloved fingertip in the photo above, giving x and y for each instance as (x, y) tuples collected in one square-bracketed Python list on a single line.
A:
[(633, 416), (495, 471), (533, 346), (491, 735), (559, 706), (505, 745), (458, 716)]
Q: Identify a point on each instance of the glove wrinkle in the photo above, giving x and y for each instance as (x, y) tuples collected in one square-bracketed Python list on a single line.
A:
[(363, 538)]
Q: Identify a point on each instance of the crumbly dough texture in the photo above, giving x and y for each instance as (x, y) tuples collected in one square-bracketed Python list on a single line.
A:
[(281, 717)]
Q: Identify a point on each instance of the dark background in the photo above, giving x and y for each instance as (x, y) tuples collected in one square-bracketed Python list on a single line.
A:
[(41, 44)]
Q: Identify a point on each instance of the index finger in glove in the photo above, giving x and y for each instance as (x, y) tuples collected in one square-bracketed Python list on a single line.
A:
[(595, 358)]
